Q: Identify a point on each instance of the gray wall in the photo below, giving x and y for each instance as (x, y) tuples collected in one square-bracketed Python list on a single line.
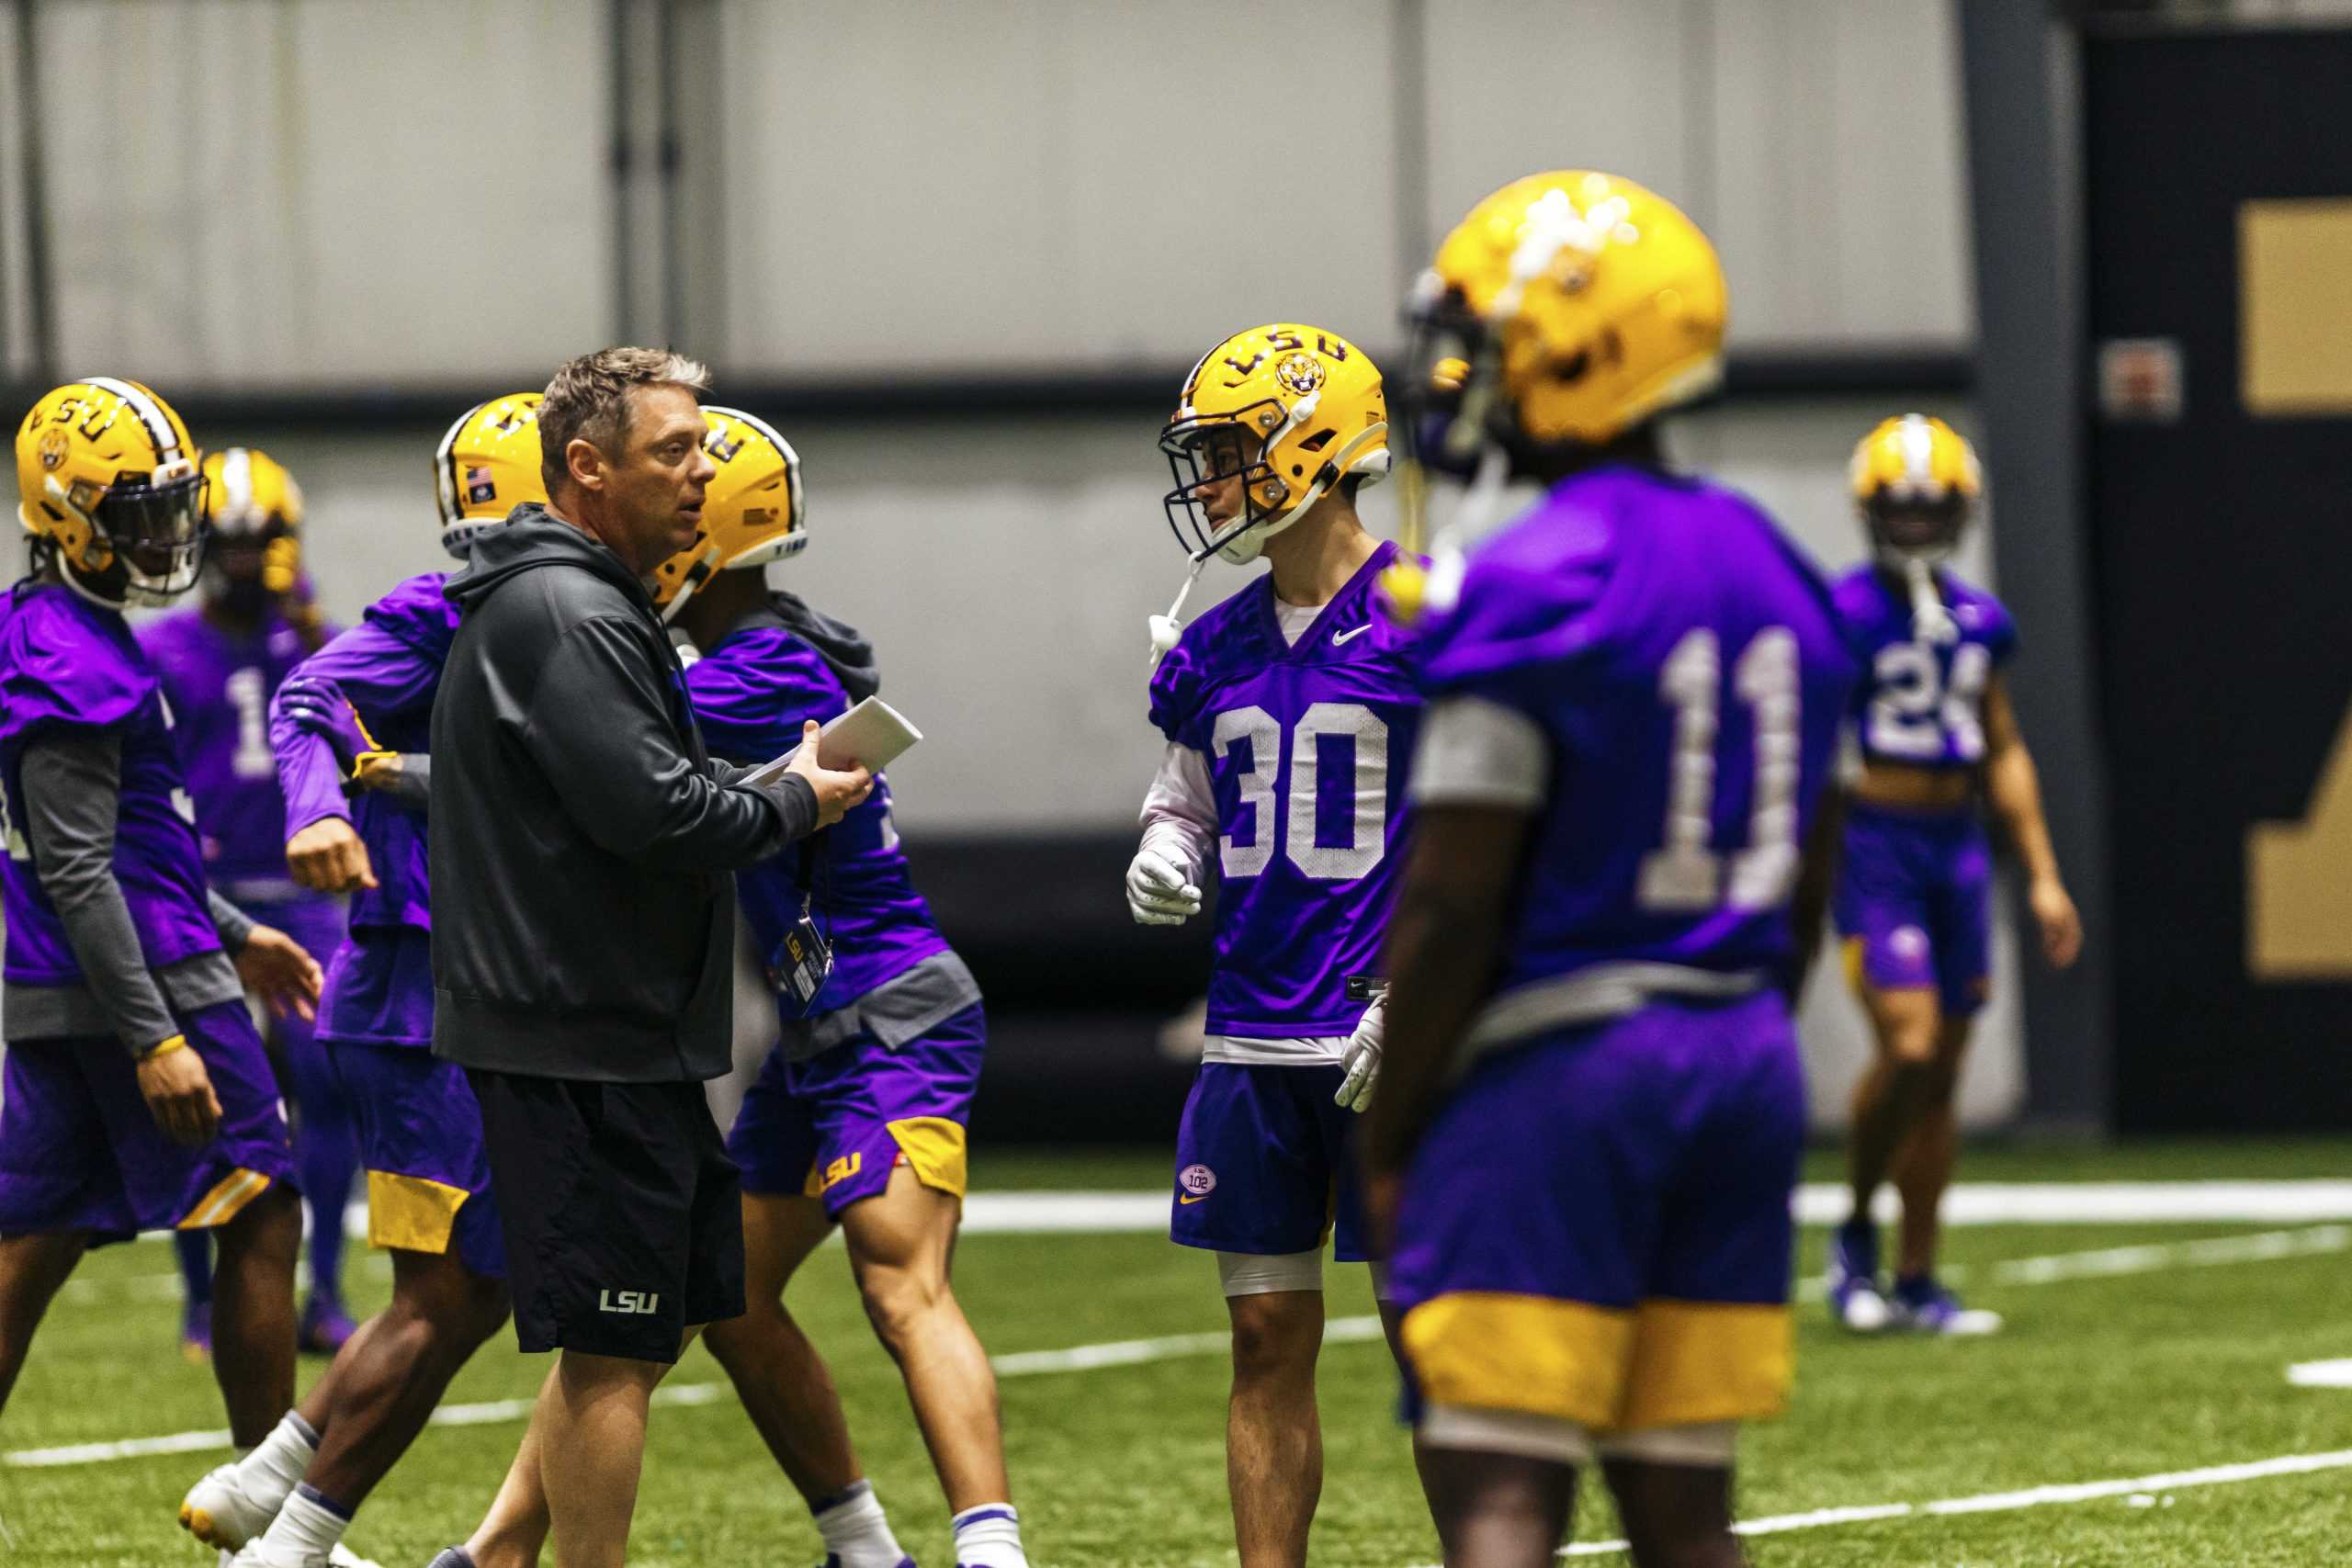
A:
[(329, 191)]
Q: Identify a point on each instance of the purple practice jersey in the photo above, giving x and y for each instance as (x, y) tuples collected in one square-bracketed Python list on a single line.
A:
[(388, 667), (1684, 664), (1922, 702), (751, 693), (68, 668), (219, 685), (1306, 745)]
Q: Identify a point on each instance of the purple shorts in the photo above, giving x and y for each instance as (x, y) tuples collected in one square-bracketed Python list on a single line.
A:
[(1264, 1164), (1596, 1227), (835, 1125), (1915, 903), (79, 1152), (379, 988), (421, 1143)]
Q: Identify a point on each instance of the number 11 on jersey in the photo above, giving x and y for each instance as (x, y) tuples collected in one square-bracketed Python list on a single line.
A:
[(1684, 875)]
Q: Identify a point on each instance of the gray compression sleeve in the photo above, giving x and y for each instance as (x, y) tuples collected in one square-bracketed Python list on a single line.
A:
[(233, 924), (72, 794), (412, 785)]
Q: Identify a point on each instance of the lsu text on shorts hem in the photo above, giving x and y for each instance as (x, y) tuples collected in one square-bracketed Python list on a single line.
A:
[(835, 1125)]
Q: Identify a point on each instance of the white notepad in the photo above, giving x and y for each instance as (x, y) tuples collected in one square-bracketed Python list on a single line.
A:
[(872, 735)]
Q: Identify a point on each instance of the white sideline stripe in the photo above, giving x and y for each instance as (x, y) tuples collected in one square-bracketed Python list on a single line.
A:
[(2009, 1502), (2322, 1374), (2104, 1262), (1817, 1203)]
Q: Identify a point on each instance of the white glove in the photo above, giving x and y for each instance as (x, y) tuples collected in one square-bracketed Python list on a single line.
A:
[(1363, 1058), (1158, 894)]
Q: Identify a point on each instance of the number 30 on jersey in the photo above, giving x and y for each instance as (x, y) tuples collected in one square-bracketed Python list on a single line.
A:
[(1287, 806)]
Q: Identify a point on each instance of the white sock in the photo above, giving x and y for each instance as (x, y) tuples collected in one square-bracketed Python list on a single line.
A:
[(305, 1531), (989, 1537), (271, 1471), (856, 1530)]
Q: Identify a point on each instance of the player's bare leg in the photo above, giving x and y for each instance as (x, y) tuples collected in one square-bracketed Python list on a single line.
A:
[(784, 1385), (1906, 1021), (592, 1452), (1893, 1095), (1499, 1510), (900, 1246), (1274, 1434), (388, 1379), (1675, 1515), (32, 1268), (1922, 1167), (515, 1529), (1392, 1328), (252, 1313)]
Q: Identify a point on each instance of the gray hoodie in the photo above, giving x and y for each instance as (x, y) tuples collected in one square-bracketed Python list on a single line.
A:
[(584, 841)]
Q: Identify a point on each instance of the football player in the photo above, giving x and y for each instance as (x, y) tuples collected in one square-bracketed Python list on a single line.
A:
[(1592, 1107), (858, 1114), (349, 730), (137, 1095), (1282, 708), (221, 662), (1936, 733)]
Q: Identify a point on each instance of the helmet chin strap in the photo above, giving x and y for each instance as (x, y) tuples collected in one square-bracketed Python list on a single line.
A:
[(1930, 621), (1166, 629)]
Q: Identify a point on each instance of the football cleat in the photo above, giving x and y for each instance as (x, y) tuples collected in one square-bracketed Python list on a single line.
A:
[(1925, 1306), (325, 1327), (1855, 1299), (752, 510), (833, 1560), (220, 1512), (107, 481), (258, 1554), (486, 466), (451, 1557)]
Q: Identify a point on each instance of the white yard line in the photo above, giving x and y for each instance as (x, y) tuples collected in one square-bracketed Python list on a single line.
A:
[(1815, 1204), (2322, 1374), (2151, 1487), (2101, 1263)]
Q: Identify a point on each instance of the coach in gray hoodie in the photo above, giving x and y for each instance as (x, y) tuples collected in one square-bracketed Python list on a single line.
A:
[(583, 911)]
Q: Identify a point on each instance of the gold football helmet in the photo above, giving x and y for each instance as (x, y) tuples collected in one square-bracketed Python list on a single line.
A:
[(752, 510), (486, 466), (107, 479), (1565, 309), (1916, 482), (1288, 409), (251, 500)]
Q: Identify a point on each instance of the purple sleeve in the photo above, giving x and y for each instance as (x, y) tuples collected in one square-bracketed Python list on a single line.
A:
[(1518, 615), (2000, 631), (1175, 690), (378, 674)]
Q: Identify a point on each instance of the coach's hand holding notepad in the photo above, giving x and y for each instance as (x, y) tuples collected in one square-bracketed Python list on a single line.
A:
[(853, 746)]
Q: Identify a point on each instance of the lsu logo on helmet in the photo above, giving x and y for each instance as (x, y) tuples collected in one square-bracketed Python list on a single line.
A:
[(107, 479), (487, 465), (1289, 409), (1916, 482), (752, 510)]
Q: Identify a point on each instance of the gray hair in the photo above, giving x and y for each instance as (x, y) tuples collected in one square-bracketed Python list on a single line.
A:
[(588, 400)]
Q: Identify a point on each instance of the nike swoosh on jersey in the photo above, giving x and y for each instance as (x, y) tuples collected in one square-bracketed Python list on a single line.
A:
[(1338, 637), (1201, 1199)]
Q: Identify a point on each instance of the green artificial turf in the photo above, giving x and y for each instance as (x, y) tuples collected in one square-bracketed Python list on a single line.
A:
[(2097, 1378)]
